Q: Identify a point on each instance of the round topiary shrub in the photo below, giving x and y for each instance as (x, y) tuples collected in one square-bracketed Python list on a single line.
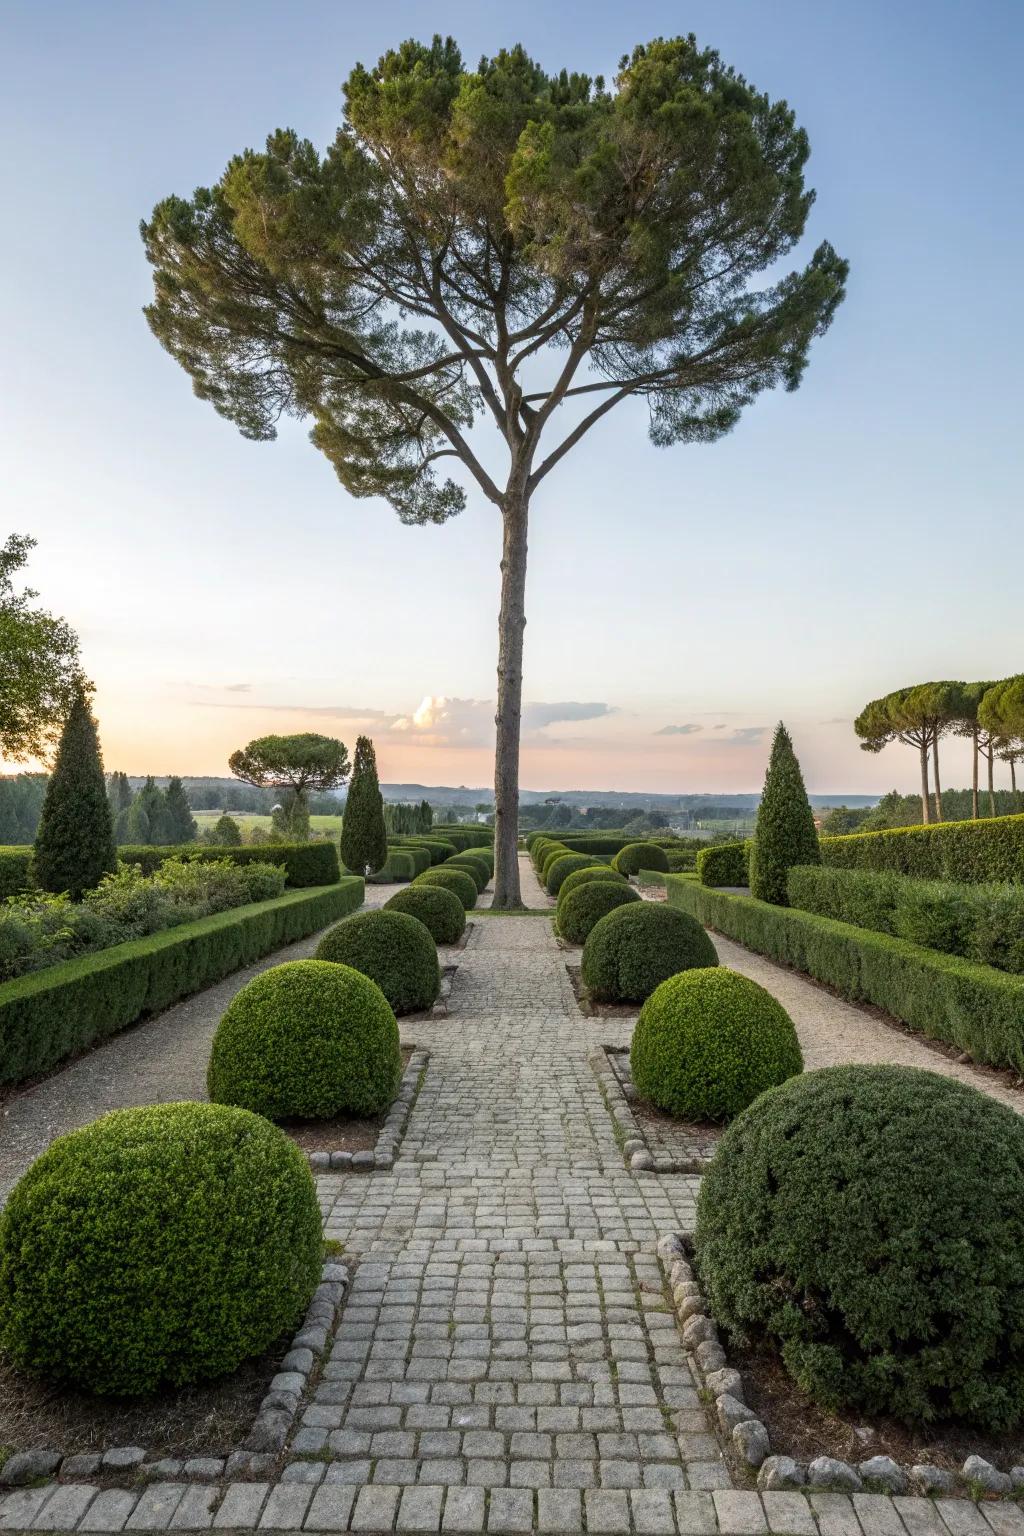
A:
[(459, 881), (577, 912), (552, 855), (637, 856), (157, 1246), (869, 1221), (440, 911), (585, 876), (561, 868), (633, 950), (394, 950), (307, 1040), (474, 867), (707, 1042)]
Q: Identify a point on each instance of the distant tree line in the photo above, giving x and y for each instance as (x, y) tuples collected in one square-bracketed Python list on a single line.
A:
[(400, 817), (150, 815)]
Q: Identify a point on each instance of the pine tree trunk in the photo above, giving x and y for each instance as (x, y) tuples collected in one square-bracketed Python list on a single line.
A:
[(974, 775), (926, 810), (1013, 781), (511, 624), (991, 780), (938, 786)]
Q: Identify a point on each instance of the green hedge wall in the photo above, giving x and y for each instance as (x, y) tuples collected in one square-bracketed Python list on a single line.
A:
[(14, 868), (51, 1014), (992, 849), (974, 1007), (724, 864), (305, 863)]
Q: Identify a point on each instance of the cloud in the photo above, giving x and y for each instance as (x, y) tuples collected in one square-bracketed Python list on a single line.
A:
[(238, 688), (678, 730), (537, 716), (442, 721), (747, 735)]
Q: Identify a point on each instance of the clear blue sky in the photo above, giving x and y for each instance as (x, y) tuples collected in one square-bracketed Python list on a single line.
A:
[(860, 534)]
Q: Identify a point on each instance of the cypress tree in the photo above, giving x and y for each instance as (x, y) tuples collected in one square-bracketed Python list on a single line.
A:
[(75, 841), (226, 832), (785, 833), (364, 843), (181, 824), (426, 818)]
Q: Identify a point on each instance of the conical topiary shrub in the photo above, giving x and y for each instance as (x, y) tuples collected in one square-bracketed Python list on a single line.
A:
[(364, 838), (75, 842), (785, 833)]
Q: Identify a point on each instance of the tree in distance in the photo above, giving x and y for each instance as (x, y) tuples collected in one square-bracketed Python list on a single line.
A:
[(296, 765), (75, 842), (364, 839)]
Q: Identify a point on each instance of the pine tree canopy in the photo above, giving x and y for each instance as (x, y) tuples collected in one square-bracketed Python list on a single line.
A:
[(301, 763)]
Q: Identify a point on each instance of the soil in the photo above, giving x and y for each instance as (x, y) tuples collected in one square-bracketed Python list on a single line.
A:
[(799, 1427), (209, 1419), (347, 1133), (591, 1007)]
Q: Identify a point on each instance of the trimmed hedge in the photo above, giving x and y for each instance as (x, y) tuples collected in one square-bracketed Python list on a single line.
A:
[(707, 1042), (399, 865), (15, 864), (974, 1007), (459, 881), (868, 1221), (724, 864), (560, 869), (586, 876), (632, 950), (420, 856), (637, 856), (438, 848), (476, 868), (595, 842), (465, 837), (552, 853), (971, 851), (440, 911), (580, 909), (307, 1040), (157, 1245), (305, 863), (395, 950), (48, 1015)]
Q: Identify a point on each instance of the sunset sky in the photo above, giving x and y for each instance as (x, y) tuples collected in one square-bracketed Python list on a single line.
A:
[(861, 534)]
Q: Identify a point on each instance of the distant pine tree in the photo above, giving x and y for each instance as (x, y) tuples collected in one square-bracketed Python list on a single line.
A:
[(119, 793), (426, 817), (364, 844), (75, 842), (785, 833), (181, 824), (154, 802)]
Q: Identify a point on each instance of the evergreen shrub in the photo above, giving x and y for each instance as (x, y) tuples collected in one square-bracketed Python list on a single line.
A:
[(459, 881), (635, 948), (394, 949), (440, 911)]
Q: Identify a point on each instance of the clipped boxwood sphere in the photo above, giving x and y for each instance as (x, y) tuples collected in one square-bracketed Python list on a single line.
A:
[(307, 1040), (157, 1246), (707, 1042), (636, 856), (474, 867), (459, 881), (561, 868), (578, 911), (394, 950), (440, 911), (584, 876), (634, 949), (870, 1222)]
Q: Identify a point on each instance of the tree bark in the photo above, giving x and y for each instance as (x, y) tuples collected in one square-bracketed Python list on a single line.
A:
[(938, 786), (991, 779), (925, 807), (1013, 781), (974, 775), (511, 624)]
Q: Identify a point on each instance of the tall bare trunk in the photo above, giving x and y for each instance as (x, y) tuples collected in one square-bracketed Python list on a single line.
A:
[(1013, 781), (991, 780), (926, 810), (938, 786), (974, 775), (511, 624)]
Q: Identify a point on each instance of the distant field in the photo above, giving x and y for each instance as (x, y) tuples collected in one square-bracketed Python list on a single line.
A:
[(249, 820)]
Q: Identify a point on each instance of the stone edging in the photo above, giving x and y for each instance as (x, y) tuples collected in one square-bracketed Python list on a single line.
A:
[(390, 1134), (636, 1150), (747, 1437), (268, 1434)]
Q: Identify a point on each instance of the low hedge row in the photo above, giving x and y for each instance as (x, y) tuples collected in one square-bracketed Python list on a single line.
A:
[(14, 868), (465, 837), (974, 1007), (971, 851), (724, 864), (51, 1014), (305, 863), (439, 848)]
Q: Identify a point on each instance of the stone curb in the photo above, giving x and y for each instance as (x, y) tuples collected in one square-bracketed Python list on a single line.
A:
[(391, 1132), (258, 1453), (746, 1437), (636, 1151)]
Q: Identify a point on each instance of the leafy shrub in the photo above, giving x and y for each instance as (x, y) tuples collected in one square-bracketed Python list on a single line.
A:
[(551, 856), (474, 867), (637, 856), (868, 1220), (307, 1040), (440, 911), (723, 864), (707, 1042), (971, 851), (158, 1245), (15, 864), (52, 1013), (560, 869), (632, 950), (997, 932), (420, 856), (678, 862), (588, 874), (934, 913), (851, 896), (785, 833), (580, 909), (971, 1006), (394, 950), (438, 847), (459, 881), (465, 836), (595, 842), (305, 864)]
